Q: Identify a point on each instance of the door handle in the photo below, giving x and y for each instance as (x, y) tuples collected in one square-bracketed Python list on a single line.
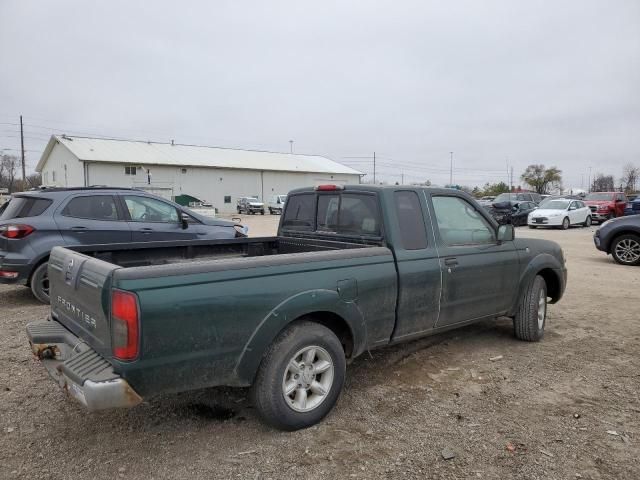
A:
[(451, 262), (78, 228)]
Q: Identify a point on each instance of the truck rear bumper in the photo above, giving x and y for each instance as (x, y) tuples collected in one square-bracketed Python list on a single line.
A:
[(78, 369)]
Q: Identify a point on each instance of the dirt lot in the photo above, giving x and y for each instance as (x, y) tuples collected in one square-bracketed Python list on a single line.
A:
[(567, 407)]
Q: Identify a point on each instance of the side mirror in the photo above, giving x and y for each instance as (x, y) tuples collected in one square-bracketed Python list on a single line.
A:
[(505, 233), (185, 221)]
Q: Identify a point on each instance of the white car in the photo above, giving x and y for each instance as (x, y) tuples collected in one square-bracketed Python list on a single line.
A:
[(560, 212), (276, 204)]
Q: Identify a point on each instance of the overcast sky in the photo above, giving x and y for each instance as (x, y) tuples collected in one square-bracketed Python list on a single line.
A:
[(496, 82)]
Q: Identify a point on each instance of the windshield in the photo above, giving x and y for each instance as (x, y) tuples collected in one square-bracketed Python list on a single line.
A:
[(252, 199), (282, 198), (599, 196), (509, 197), (557, 205)]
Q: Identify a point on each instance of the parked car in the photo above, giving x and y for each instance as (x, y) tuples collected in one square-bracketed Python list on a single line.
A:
[(250, 205), (515, 213), (620, 237), (352, 269), (276, 204), (605, 205), (548, 198), (561, 213), (486, 200), (518, 197), (633, 206), (34, 222)]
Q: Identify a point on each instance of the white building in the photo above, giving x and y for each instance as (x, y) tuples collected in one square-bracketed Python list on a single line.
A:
[(216, 175)]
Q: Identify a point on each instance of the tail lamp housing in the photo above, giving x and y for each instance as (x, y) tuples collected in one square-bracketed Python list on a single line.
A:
[(125, 325), (16, 231)]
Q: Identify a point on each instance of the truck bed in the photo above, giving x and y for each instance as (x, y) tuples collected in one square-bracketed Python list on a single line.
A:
[(173, 252)]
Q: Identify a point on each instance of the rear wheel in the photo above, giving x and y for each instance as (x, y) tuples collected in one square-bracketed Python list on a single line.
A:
[(530, 320), (587, 222), (565, 223), (626, 249), (40, 283), (300, 377)]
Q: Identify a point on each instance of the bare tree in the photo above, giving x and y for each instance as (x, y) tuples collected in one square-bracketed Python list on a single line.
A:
[(603, 183), (630, 174), (8, 168)]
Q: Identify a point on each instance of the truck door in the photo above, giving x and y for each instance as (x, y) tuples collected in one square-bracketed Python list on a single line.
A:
[(419, 275), (480, 274)]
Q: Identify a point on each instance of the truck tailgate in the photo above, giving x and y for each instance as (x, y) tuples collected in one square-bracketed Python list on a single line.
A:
[(80, 295)]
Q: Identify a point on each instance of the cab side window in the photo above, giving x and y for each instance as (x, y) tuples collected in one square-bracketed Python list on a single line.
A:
[(460, 223), (413, 232)]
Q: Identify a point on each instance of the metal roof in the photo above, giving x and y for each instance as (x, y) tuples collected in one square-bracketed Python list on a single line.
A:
[(152, 153)]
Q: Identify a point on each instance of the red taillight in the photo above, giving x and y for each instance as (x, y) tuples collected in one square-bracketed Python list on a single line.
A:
[(124, 325), (16, 231), (5, 274), (329, 188)]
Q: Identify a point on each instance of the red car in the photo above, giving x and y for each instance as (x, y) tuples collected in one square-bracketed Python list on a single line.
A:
[(605, 205)]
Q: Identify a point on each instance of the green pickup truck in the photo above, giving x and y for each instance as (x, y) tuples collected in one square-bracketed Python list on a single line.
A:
[(352, 269)]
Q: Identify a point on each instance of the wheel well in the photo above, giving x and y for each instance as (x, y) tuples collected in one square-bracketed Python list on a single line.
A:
[(619, 234), (40, 262), (552, 281), (337, 325)]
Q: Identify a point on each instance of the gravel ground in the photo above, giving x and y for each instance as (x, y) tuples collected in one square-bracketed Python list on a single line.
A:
[(567, 407)]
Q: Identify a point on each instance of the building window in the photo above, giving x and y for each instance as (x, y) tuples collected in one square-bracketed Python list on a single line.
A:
[(184, 170), (227, 199), (130, 170)]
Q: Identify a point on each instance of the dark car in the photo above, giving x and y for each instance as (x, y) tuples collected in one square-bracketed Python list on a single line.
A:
[(633, 206), (518, 197), (34, 222), (620, 237), (513, 212)]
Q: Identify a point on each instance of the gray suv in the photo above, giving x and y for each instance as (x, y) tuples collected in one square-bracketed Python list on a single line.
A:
[(34, 222)]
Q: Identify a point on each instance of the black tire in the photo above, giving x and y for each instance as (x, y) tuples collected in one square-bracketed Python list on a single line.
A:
[(525, 324), (267, 390), (624, 249), (532, 226), (270, 211), (39, 283), (239, 211), (566, 223), (262, 212), (587, 222)]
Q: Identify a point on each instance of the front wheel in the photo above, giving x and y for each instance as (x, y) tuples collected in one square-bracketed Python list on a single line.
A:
[(565, 223), (625, 249), (532, 226), (531, 317), (40, 283), (587, 222), (300, 377), (261, 212)]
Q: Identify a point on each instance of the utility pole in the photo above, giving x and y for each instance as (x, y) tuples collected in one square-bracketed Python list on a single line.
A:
[(24, 173), (402, 181), (451, 169), (589, 189), (374, 168), (511, 180), (291, 146)]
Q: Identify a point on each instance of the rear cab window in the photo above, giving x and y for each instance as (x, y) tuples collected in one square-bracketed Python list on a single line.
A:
[(413, 232), (335, 213), (23, 207)]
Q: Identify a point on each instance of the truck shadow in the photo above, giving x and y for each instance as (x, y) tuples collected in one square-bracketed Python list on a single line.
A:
[(370, 369)]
